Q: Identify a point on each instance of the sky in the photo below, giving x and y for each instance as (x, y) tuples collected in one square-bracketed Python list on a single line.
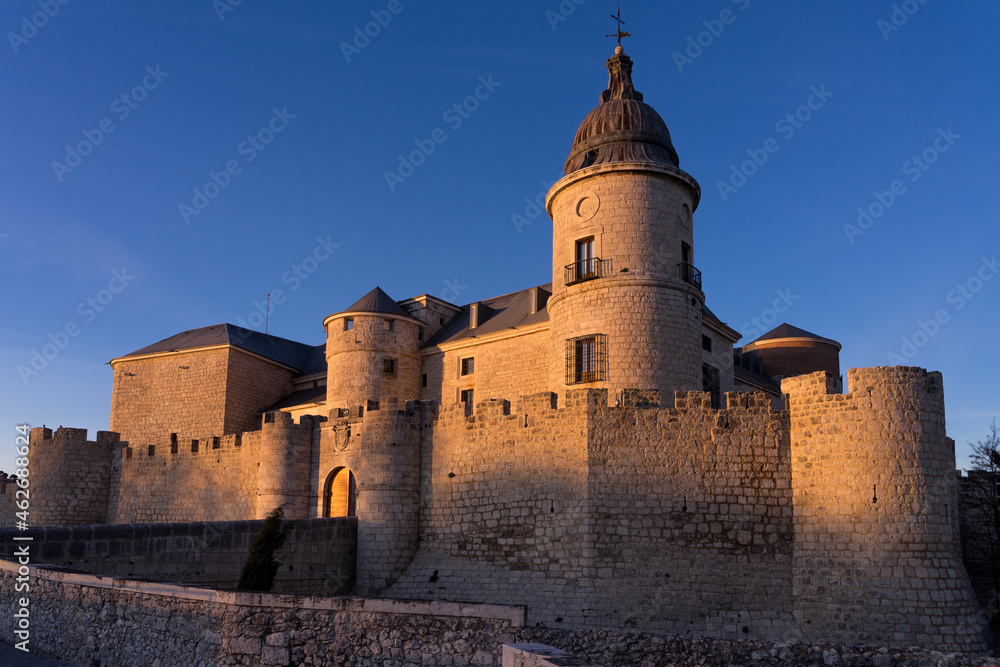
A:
[(167, 165)]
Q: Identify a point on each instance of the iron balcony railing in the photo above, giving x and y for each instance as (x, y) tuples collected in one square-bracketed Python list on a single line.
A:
[(587, 269), (689, 274)]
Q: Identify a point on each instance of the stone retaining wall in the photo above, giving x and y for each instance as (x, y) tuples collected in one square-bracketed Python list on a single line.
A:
[(97, 620), (318, 555), (89, 619)]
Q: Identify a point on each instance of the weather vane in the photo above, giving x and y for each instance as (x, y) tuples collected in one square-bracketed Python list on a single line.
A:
[(620, 32)]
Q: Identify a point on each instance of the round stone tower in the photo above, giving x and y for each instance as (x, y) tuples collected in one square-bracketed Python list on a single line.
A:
[(626, 304), (372, 351)]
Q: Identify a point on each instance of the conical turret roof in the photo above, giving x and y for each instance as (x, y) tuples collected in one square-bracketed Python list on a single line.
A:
[(377, 301)]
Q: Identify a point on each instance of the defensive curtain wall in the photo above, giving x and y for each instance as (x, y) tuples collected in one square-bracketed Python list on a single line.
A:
[(831, 519), (834, 519)]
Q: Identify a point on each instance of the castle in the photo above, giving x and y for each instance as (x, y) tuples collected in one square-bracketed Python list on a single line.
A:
[(591, 448)]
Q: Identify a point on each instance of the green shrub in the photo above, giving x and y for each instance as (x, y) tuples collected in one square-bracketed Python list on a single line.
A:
[(261, 566)]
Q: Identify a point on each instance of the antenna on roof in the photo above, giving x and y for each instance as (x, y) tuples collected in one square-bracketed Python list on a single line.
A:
[(267, 313), (619, 34)]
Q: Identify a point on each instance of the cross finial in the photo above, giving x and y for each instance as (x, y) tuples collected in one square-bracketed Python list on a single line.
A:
[(620, 33)]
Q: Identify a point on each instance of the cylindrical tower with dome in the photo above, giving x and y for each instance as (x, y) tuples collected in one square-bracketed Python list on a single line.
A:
[(626, 304)]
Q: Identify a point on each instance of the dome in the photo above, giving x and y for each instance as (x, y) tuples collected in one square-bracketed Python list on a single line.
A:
[(622, 128)]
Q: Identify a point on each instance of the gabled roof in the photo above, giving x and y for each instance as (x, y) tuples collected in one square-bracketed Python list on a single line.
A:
[(280, 350), (497, 314), (377, 301), (787, 331)]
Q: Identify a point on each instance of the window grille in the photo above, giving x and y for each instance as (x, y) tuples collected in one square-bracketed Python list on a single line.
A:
[(587, 359), (468, 366)]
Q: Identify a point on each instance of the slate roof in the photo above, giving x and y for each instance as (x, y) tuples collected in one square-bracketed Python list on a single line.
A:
[(301, 397), (509, 311), (763, 380), (299, 356), (377, 301), (317, 361), (787, 331)]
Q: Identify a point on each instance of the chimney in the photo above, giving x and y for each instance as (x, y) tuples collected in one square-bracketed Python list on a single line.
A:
[(474, 315), (533, 301)]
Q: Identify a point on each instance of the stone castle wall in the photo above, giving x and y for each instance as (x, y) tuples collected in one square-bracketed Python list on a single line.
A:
[(876, 557), (691, 516), (318, 556), (216, 478), (670, 519), (741, 522), (8, 500), (833, 519)]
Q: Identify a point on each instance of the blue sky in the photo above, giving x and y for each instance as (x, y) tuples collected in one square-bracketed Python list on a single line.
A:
[(276, 126)]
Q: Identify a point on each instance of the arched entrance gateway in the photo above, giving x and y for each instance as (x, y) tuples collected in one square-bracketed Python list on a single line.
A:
[(339, 493)]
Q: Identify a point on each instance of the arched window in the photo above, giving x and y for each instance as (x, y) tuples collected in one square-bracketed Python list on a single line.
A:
[(339, 493)]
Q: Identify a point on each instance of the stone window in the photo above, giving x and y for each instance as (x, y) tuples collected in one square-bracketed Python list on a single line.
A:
[(389, 366), (466, 397), (389, 325), (468, 366), (586, 359), (348, 323), (423, 380), (710, 383), (706, 343)]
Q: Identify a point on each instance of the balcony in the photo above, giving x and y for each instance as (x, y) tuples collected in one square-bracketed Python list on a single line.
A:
[(689, 274), (587, 269)]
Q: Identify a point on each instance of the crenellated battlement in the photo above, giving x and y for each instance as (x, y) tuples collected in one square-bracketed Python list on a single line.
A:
[(595, 403), (195, 445), (896, 384), (42, 436)]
